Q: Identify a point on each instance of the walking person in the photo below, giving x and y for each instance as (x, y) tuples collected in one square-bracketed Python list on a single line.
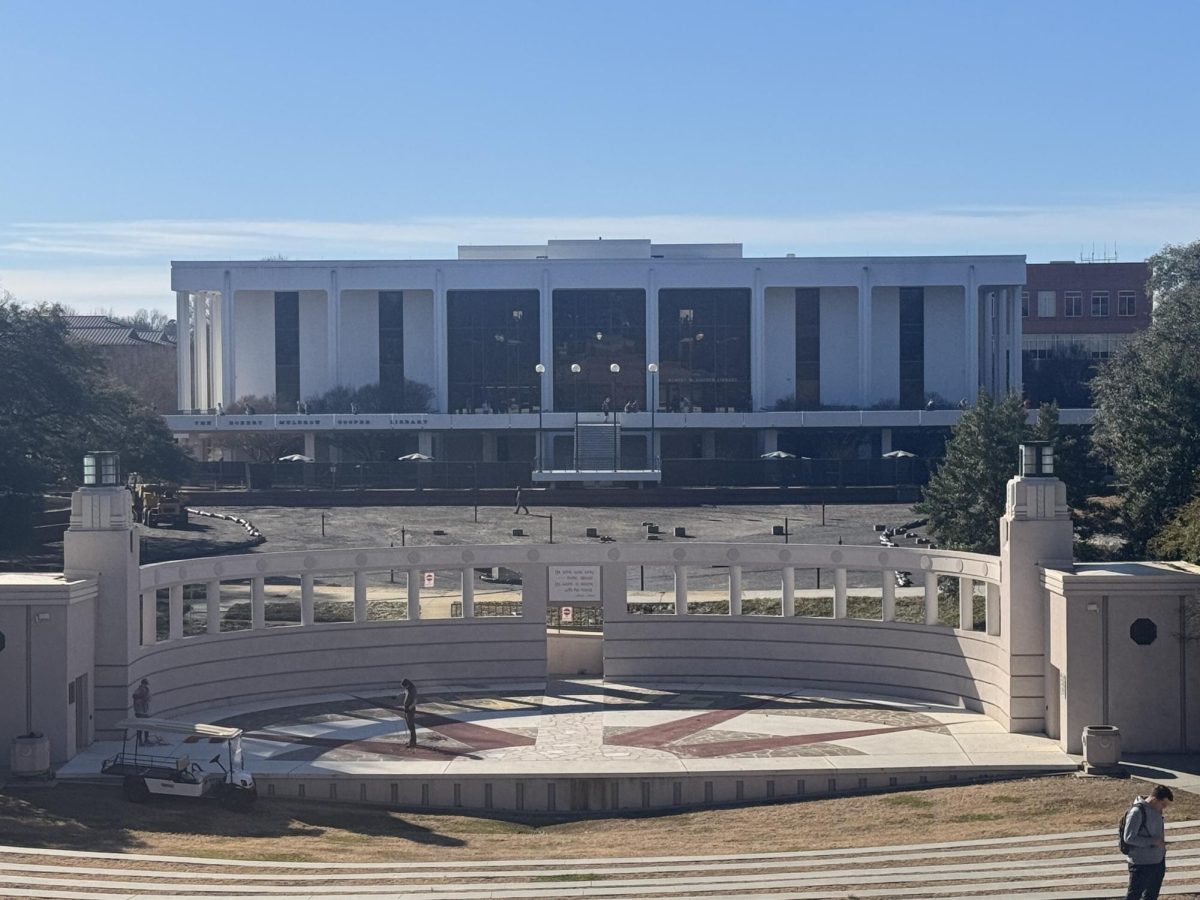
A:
[(521, 505), (1143, 841), (141, 708), (410, 710)]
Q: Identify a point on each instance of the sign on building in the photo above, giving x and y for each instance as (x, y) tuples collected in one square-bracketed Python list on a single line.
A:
[(575, 584), (567, 616), (428, 579)]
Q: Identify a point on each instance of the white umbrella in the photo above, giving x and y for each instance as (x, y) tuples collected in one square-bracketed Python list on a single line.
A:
[(899, 454), (296, 457), (415, 457), (778, 454)]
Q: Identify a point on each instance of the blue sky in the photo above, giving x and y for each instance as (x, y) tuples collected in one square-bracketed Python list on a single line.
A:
[(133, 134)]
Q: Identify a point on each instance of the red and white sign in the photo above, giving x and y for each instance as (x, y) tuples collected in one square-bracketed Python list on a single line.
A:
[(428, 579), (567, 615)]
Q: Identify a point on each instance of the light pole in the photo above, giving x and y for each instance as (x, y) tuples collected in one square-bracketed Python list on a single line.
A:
[(575, 370), (616, 370), (653, 370), (541, 371)]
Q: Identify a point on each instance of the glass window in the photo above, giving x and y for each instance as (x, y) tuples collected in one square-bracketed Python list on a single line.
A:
[(1073, 304), (391, 343), (1099, 303), (912, 348), (808, 348), (1126, 303), (1046, 300), (595, 328), (287, 350), (492, 347), (704, 349), (1024, 304)]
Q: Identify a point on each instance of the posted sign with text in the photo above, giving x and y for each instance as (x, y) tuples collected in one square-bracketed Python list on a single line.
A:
[(574, 583)]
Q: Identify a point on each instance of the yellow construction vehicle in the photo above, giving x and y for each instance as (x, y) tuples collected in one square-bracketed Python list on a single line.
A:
[(158, 503)]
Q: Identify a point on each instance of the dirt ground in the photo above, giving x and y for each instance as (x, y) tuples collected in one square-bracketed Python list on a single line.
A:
[(91, 817)]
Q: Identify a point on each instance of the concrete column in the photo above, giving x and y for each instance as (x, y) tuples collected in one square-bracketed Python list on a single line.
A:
[(546, 342), (149, 629), (966, 604), (488, 448), (839, 593), (931, 598), (333, 323), (789, 592), (770, 440), (102, 543), (175, 613), (681, 591), (889, 597), (1035, 532), (535, 591), (258, 602), (468, 593), (708, 444), (306, 600), (885, 440), (993, 608), (201, 391), (310, 444), (212, 606), (735, 590), (864, 338), (425, 442), (758, 366), (971, 336), (185, 349), (440, 345), (360, 596), (414, 594), (217, 346), (228, 391), (989, 340)]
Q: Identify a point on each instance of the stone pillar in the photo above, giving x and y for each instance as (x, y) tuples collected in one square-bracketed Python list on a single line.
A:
[(1035, 531), (360, 596), (227, 367), (681, 590), (258, 602), (175, 613), (440, 343), (758, 368), (217, 346), (212, 607), (1018, 374), (184, 344), (102, 542), (333, 328), (789, 592), (414, 594), (546, 346), (307, 605), (966, 604), (201, 392), (653, 384), (889, 597), (839, 594), (735, 590), (468, 593), (931, 598)]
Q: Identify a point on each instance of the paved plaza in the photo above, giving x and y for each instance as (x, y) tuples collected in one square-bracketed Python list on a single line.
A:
[(602, 728)]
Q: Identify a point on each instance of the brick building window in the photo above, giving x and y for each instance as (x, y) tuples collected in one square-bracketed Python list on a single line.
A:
[(1046, 301), (1126, 303), (1099, 303), (1024, 304), (1073, 304)]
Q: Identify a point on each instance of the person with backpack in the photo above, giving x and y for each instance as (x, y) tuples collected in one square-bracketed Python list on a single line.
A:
[(1142, 838)]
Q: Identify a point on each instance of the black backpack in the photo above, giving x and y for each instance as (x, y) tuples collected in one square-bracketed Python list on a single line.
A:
[(1121, 845)]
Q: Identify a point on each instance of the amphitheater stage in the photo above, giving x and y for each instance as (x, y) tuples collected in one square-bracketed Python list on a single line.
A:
[(594, 745)]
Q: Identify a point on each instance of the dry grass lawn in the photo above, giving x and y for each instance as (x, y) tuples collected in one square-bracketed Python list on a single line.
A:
[(89, 817)]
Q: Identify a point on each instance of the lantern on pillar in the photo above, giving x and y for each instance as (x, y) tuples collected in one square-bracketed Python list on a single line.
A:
[(1037, 459), (101, 468)]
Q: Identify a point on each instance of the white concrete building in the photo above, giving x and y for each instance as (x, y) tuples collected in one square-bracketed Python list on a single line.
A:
[(719, 333)]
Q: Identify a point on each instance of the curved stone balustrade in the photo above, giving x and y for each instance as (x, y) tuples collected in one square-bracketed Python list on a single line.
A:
[(261, 662)]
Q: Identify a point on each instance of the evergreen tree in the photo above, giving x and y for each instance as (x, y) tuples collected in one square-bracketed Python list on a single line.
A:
[(965, 498)]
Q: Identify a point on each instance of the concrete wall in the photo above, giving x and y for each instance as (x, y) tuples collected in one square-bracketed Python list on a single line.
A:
[(945, 346), (885, 345), (419, 356), (575, 653), (314, 344), (254, 359), (779, 344), (839, 346), (358, 338)]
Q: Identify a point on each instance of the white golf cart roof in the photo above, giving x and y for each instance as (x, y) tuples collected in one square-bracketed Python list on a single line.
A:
[(213, 732)]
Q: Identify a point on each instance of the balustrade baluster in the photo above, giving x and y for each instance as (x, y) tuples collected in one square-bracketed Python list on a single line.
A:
[(735, 590), (306, 600), (681, 590), (839, 593), (789, 592), (414, 594), (931, 598), (149, 618), (889, 596), (212, 595), (175, 613), (360, 596), (966, 604), (468, 593), (993, 609), (258, 602)]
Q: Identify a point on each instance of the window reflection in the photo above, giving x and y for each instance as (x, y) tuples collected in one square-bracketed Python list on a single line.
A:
[(704, 349), (493, 347), (594, 329)]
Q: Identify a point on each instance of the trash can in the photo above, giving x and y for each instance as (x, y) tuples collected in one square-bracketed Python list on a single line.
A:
[(1101, 746), (30, 757)]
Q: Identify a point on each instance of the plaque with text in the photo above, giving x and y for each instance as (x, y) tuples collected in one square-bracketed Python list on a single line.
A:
[(574, 584)]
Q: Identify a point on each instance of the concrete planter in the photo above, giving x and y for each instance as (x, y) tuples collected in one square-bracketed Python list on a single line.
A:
[(30, 755)]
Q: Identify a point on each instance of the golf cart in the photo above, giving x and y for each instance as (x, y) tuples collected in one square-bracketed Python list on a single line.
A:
[(146, 774)]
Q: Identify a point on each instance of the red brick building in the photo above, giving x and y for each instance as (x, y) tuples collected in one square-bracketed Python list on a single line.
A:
[(1073, 314)]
